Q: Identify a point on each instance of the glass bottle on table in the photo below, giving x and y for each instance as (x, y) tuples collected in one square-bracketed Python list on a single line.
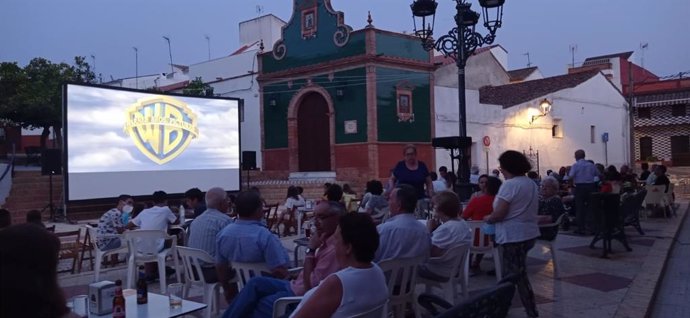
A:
[(118, 301), (142, 288)]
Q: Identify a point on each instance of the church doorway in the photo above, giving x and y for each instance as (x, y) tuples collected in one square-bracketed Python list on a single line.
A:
[(313, 133)]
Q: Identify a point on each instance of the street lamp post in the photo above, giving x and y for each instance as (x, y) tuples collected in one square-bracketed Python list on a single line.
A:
[(459, 44)]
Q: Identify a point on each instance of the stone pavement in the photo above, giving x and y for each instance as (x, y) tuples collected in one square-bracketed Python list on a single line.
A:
[(589, 286), (672, 295)]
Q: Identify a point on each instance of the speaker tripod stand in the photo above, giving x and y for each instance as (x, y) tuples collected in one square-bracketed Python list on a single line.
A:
[(56, 214)]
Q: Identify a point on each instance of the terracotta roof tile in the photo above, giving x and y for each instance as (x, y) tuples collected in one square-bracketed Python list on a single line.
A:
[(515, 94), (521, 74)]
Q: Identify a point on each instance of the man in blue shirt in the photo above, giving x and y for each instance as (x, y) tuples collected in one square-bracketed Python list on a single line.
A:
[(582, 175), (402, 236), (248, 241)]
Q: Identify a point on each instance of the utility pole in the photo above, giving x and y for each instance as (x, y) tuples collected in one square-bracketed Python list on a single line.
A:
[(170, 52), (136, 66), (631, 101), (208, 42), (573, 48)]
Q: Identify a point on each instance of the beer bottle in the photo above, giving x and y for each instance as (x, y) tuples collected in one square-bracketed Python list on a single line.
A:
[(142, 288), (118, 301)]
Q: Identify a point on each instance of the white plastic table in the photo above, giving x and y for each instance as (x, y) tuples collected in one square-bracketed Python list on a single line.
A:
[(157, 306)]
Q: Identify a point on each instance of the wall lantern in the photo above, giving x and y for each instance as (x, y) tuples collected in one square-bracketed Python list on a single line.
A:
[(544, 107)]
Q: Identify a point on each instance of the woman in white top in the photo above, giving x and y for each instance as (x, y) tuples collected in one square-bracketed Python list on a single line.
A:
[(515, 213), (451, 231), (361, 285)]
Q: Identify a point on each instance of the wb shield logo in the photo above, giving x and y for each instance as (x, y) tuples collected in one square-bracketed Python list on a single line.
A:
[(161, 127)]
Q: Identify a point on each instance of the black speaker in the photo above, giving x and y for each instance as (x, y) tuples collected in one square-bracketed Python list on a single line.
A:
[(51, 162), (451, 142), (248, 160)]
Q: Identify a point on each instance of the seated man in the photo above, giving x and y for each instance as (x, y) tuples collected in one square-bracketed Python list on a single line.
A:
[(402, 236), (247, 240), (204, 229), (111, 223), (157, 217), (194, 199), (257, 297)]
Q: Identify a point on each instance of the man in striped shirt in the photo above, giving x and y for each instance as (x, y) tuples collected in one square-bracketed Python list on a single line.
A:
[(203, 230)]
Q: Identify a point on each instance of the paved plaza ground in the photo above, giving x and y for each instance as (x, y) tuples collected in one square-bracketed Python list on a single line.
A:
[(589, 286)]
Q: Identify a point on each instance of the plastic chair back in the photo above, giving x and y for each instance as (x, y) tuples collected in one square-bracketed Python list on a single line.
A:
[(247, 271)]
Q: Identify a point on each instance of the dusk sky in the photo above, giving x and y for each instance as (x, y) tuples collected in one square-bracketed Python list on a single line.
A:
[(60, 30)]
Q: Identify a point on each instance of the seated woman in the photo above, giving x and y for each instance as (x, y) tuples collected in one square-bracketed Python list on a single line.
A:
[(481, 185), (292, 203), (550, 207), (451, 231), (361, 285), (348, 196), (376, 205), (481, 206)]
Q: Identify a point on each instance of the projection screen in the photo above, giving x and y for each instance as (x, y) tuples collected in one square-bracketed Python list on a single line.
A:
[(120, 141)]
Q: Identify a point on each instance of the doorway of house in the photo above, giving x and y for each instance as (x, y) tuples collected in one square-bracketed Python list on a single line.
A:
[(680, 150), (313, 134), (645, 148)]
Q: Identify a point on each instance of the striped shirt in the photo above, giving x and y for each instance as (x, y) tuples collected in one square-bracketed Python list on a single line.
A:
[(203, 230)]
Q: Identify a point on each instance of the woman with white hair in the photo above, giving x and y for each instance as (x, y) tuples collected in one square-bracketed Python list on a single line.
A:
[(550, 205)]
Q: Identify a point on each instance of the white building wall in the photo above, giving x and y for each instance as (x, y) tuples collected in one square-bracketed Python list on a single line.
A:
[(595, 102), (267, 28), (250, 128)]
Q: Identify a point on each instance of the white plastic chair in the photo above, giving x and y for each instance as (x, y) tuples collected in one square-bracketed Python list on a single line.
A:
[(484, 246), (457, 259), (401, 276), (551, 244), (655, 196), (247, 271), (668, 200), (191, 260), (101, 254), (143, 248)]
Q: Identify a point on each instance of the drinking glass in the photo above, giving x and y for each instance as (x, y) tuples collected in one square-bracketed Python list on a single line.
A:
[(175, 295), (80, 305)]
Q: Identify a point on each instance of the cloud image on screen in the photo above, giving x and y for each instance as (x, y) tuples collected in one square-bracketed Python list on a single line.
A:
[(125, 136)]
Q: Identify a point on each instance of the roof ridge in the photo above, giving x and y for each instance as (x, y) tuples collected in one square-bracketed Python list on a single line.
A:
[(514, 94)]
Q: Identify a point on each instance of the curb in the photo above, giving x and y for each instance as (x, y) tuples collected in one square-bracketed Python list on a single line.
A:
[(644, 288)]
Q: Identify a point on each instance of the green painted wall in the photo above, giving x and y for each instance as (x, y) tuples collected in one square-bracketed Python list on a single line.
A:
[(398, 46), (303, 52), (351, 106), (389, 128)]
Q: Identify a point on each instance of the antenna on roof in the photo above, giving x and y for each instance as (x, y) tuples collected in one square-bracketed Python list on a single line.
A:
[(573, 48), (643, 48), (529, 63), (259, 10)]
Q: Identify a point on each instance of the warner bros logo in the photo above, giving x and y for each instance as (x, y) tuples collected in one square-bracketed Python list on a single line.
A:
[(161, 127)]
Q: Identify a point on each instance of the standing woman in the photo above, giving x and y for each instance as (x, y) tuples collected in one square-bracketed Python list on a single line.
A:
[(515, 214), (413, 172)]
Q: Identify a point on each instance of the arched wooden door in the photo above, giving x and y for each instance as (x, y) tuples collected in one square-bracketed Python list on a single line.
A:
[(314, 134)]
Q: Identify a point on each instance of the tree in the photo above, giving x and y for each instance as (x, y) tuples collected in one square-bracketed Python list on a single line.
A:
[(36, 101), (11, 78), (197, 87)]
